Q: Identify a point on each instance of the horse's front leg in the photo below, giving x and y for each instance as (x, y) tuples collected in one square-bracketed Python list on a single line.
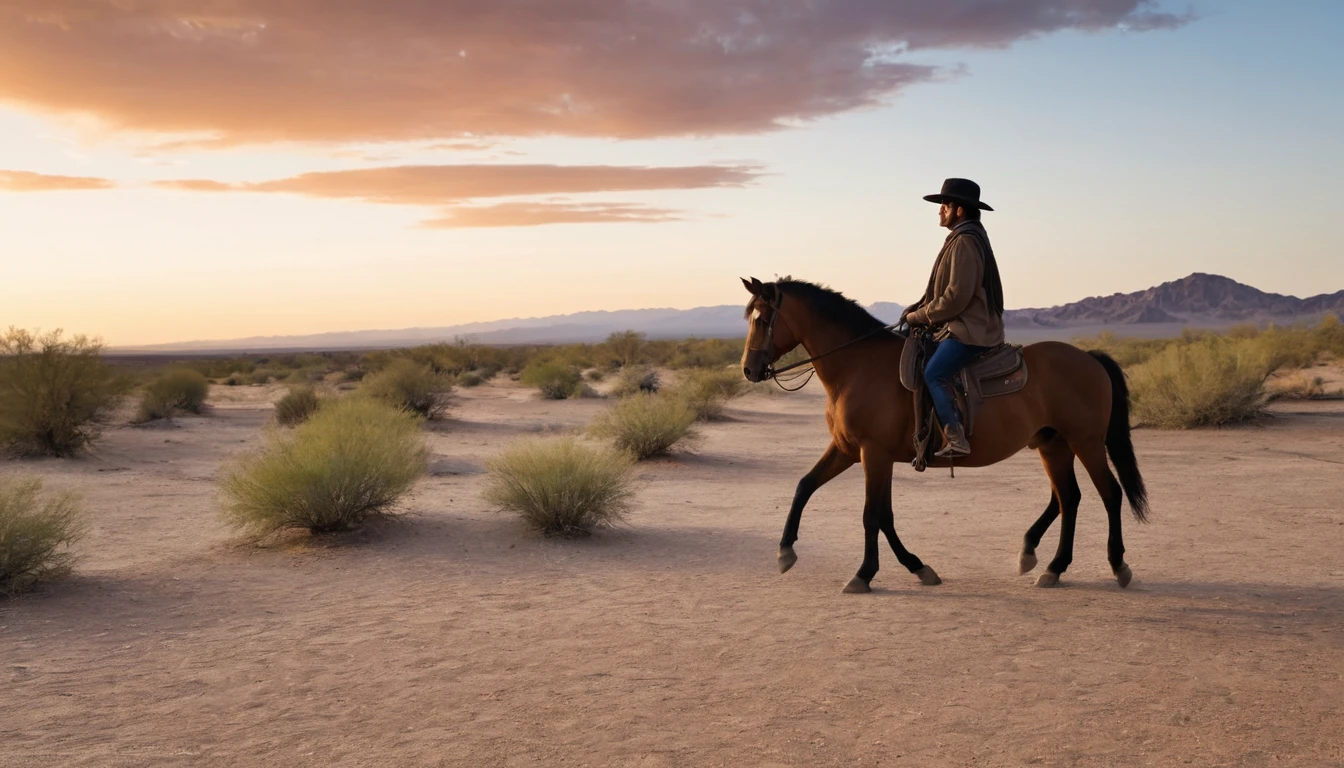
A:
[(831, 463), (878, 517)]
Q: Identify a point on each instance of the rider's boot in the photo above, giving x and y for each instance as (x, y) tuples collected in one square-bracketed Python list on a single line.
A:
[(956, 444)]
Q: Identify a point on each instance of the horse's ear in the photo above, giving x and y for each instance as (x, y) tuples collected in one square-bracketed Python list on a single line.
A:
[(753, 287)]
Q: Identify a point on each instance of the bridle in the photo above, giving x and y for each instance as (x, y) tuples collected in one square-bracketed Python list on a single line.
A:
[(771, 372)]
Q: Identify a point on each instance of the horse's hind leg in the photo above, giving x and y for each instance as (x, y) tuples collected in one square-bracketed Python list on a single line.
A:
[(1045, 440), (831, 463), (1027, 560), (1057, 457), (1094, 461)]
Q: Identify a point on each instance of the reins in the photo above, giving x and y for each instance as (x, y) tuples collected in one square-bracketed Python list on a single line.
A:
[(773, 373)]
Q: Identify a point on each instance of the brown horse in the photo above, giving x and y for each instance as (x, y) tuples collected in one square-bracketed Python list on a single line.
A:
[(1075, 404)]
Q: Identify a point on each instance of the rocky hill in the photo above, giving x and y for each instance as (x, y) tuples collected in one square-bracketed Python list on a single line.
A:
[(1200, 298)]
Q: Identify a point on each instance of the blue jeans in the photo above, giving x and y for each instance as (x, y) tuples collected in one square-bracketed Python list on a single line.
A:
[(943, 366)]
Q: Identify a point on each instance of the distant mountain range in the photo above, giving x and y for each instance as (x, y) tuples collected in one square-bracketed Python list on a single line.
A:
[(1200, 300)]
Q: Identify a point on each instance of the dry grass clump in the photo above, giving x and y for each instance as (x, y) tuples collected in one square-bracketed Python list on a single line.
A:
[(646, 425), (556, 380), (355, 458), (53, 392), (559, 486), (180, 390), (1206, 383), (297, 406), (410, 386), (35, 534), (635, 380), (708, 391)]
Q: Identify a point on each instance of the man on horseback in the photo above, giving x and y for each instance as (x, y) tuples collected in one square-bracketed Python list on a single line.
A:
[(963, 303)]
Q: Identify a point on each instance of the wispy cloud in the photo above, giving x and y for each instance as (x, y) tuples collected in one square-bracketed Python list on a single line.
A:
[(238, 71), (538, 214), (451, 186), (27, 181), (439, 184)]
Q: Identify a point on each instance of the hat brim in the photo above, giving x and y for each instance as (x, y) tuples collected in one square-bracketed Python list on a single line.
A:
[(958, 200)]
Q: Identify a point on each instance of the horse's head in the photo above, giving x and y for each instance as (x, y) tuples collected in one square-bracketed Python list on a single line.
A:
[(768, 334)]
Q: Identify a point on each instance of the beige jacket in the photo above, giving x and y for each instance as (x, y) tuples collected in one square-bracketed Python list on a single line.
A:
[(956, 298)]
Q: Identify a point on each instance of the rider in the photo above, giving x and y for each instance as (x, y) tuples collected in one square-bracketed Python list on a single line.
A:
[(963, 303)]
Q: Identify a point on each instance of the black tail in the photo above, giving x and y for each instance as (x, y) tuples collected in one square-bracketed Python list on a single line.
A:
[(1118, 444)]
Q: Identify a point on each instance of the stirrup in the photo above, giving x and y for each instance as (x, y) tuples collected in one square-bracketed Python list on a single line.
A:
[(951, 451)]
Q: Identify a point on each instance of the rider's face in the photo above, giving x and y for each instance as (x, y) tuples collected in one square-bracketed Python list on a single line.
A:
[(948, 215)]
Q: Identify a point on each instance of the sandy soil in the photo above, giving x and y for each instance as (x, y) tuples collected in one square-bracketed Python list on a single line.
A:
[(451, 636)]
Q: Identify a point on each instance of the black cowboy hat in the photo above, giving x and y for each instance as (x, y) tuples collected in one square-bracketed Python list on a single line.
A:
[(960, 191)]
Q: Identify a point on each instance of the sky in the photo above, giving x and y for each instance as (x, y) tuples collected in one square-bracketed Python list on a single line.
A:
[(176, 170)]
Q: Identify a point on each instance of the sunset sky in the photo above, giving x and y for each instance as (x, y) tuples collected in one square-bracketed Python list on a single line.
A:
[(205, 169)]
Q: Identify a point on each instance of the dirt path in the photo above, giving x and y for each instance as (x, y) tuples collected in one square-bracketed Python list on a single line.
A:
[(453, 637)]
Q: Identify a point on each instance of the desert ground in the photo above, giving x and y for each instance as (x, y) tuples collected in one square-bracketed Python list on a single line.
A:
[(453, 636)]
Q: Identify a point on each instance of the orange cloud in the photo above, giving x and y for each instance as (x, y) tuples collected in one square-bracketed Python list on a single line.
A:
[(440, 184), (355, 70), (27, 181), (451, 185), (537, 214)]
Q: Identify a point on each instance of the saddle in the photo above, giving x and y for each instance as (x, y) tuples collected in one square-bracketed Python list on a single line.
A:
[(999, 371)]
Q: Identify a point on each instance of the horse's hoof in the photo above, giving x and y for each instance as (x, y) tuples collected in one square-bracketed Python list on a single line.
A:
[(786, 559), (1123, 576), (1025, 562), (927, 577), (857, 586), (1047, 579)]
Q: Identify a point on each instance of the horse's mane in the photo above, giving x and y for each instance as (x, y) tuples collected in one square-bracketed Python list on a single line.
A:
[(831, 304)]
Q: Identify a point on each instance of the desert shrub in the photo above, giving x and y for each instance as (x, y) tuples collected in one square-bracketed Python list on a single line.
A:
[(53, 392), (646, 425), (707, 390), (556, 380), (635, 380), (1206, 383), (594, 374), (1126, 352), (624, 347), (356, 457), (560, 486), (35, 534), (180, 390), (410, 386), (297, 406), (470, 379), (1297, 386)]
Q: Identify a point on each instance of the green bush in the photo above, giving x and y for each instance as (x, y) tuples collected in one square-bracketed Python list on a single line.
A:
[(635, 380), (53, 392), (470, 379), (623, 348), (556, 380), (560, 486), (708, 391), (35, 534), (356, 457), (410, 386), (1205, 383), (181, 390), (297, 406), (594, 374), (646, 425)]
